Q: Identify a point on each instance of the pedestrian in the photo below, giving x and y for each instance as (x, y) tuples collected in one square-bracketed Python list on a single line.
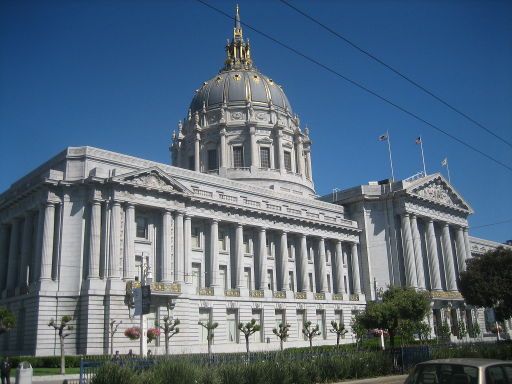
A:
[(116, 358), (130, 353), (5, 369)]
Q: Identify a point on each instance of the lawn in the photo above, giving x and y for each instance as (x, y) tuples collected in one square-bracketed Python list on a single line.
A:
[(54, 371)]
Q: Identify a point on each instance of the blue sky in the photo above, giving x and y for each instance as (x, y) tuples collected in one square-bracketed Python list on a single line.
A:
[(120, 74)]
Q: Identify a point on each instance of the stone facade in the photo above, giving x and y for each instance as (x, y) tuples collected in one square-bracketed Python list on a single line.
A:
[(233, 231)]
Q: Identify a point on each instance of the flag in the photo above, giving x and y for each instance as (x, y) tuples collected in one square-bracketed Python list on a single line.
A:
[(383, 137), (418, 140), (444, 163)]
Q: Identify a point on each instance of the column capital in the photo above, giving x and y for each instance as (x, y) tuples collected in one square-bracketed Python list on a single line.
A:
[(238, 225), (338, 241), (445, 224), (187, 216), (262, 229), (252, 130), (430, 220), (406, 214)]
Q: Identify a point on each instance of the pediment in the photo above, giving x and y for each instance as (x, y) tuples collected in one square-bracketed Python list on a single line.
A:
[(436, 189), (151, 178)]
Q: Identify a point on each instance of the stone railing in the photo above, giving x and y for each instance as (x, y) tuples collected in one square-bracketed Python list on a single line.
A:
[(232, 292), (273, 207), (257, 293), (228, 198), (252, 203), (205, 291), (201, 192), (320, 296), (156, 287), (279, 295), (301, 295)]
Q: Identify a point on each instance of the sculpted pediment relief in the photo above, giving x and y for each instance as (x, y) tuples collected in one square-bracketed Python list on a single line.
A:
[(152, 178), (437, 190)]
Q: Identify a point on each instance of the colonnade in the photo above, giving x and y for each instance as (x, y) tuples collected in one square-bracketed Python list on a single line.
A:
[(300, 154), (413, 254), (27, 248)]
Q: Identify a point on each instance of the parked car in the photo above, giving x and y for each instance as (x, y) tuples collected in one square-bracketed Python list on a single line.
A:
[(462, 371)]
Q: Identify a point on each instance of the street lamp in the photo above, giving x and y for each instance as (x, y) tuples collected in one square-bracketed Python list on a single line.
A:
[(146, 280)]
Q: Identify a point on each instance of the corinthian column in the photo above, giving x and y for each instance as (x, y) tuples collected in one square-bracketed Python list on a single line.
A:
[(197, 160), (451, 281), (187, 247), (433, 257), (222, 148), (466, 242), (129, 242), (4, 254), (283, 258), (304, 262), (165, 267), (280, 150), (94, 240), (26, 247), (321, 266), (115, 240), (416, 240), (262, 257), (300, 157), (239, 255), (14, 248), (410, 264), (214, 252), (356, 279), (339, 271), (308, 165), (254, 145), (47, 241), (461, 249), (179, 266)]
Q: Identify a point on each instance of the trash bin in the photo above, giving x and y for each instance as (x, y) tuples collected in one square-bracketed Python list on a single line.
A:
[(24, 373)]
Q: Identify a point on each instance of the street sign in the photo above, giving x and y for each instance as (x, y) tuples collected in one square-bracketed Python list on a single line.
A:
[(137, 300), (146, 299)]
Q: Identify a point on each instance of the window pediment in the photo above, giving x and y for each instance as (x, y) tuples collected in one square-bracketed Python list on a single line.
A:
[(151, 178)]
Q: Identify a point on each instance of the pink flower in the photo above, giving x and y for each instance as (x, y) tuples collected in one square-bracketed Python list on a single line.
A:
[(152, 334), (132, 333)]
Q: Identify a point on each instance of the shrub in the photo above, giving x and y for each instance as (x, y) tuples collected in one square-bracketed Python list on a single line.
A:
[(114, 374)]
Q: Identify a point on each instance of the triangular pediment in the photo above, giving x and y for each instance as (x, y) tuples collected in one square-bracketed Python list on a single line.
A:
[(437, 189), (151, 178)]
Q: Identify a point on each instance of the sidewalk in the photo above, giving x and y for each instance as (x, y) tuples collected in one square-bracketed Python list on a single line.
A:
[(52, 379), (397, 379)]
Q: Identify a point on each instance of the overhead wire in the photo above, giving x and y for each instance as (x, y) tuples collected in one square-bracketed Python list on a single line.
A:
[(361, 86), (397, 72)]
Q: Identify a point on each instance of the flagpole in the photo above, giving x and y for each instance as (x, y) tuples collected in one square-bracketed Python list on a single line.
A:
[(448, 170), (390, 157), (423, 157)]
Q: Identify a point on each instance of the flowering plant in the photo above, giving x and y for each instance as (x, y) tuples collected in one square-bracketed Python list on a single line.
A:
[(132, 333), (153, 333), (496, 329), (376, 332)]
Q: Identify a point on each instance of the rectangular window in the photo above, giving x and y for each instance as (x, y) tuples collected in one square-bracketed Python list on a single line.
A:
[(232, 326), (287, 161), (301, 319), (238, 157), (310, 276), (291, 252), (204, 317), (257, 315), (141, 227), (345, 283), (270, 279), (291, 283), (327, 255), (212, 160), (223, 246), (191, 163), (320, 321), (310, 250), (329, 283), (196, 237), (223, 276), (247, 248), (269, 246), (265, 157), (196, 277), (280, 317), (338, 316), (248, 279)]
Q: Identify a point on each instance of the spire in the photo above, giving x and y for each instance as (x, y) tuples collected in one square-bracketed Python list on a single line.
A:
[(238, 51)]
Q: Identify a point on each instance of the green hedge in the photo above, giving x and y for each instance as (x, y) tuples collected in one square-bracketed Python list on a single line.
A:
[(278, 371), (53, 361)]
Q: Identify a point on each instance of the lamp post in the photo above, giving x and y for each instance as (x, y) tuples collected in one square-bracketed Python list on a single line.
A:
[(146, 279)]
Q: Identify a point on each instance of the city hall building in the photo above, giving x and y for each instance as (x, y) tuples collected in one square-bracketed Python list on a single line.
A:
[(231, 232)]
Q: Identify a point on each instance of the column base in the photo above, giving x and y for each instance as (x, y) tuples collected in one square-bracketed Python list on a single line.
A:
[(115, 285), (46, 285), (94, 285)]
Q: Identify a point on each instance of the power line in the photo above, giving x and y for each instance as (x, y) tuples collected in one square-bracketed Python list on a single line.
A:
[(364, 88), (397, 72), (492, 224)]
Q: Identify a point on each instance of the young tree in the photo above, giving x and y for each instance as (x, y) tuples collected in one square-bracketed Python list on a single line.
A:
[(113, 327), (210, 327), (339, 330), (170, 328), (310, 332), (282, 333), (7, 320), (61, 328), (487, 282), (249, 329), (398, 305), (358, 328)]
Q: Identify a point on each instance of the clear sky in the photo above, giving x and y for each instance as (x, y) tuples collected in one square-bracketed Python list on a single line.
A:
[(120, 74)]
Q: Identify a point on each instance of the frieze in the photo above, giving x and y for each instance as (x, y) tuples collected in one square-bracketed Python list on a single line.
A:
[(433, 212), (237, 115), (446, 295)]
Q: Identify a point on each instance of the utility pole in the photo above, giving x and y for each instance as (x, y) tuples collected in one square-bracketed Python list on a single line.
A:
[(142, 297)]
